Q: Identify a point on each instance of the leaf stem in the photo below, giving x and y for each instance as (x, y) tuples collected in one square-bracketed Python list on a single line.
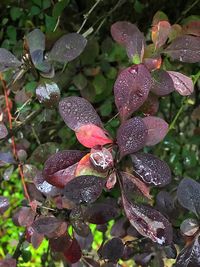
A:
[(172, 124)]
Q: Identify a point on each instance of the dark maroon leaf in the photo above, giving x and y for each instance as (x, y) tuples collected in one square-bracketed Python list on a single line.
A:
[(24, 216), (68, 47), (56, 170), (151, 169), (8, 263), (119, 227), (111, 181), (157, 129), (84, 189), (182, 84), (61, 243), (33, 237), (85, 242), (6, 158), (165, 203), (73, 253), (188, 195), (144, 258), (131, 136), (34, 193), (162, 83), (8, 60), (3, 130), (101, 213), (160, 33), (49, 226), (48, 93), (170, 251), (44, 187), (151, 105), (131, 89), (128, 253), (148, 222), (77, 221), (189, 227), (185, 48), (77, 111), (190, 255), (4, 204), (113, 249)]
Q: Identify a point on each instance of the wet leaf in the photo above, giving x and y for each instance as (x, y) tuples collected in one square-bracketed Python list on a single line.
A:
[(151, 169), (188, 195), (90, 135), (3, 130), (33, 237), (162, 83), (151, 105), (73, 253), (8, 60), (4, 204), (59, 169), (101, 213), (77, 111), (111, 181), (101, 159), (148, 222), (61, 243), (113, 249), (182, 84), (189, 227), (24, 216), (192, 27), (190, 255), (185, 48), (48, 93), (131, 89), (157, 129), (131, 136), (68, 47), (160, 32), (84, 189)]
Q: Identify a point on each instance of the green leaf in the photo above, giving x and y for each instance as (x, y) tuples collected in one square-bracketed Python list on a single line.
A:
[(99, 83), (106, 108), (11, 33), (35, 11), (136, 59), (15, 13), (59, 7), (50, 23), (37, 2), (46, 4)]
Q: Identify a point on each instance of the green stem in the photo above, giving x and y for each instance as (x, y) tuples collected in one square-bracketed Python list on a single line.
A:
[(172, 124)]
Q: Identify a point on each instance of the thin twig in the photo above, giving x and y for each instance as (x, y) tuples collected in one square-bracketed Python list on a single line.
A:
[(187, 10)]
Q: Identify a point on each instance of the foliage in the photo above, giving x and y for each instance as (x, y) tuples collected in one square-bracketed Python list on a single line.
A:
[(94, 128)]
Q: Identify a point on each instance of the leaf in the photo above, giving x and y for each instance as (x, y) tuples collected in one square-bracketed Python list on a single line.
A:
[(61, 243), (8, 60), (176, 31), (101, 213), (188, 194), (113, 249), (8, 263), (182, 84), (151, 105), (24, 216), (90, 135), (151, 169), (3, 130), (73, 253), (84, 189), (127, 178), (192, 27), (77, 111), (111, 181), (159, 16), (153, 63), (36, 44), (162, 82), (56, 170), (68, 47), (33, 237), (102, 159), (131, 89), (59, 7), (48, 93), (157, 129), (6, 158), (189, 227), (160, 32), (185, 48), (4, 204), (131, 136), (50, 226), (148, 222), (190, 255)]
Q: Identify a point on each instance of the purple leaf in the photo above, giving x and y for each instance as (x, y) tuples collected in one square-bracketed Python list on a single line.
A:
[(160, 33), (77, 111), (8, 263), (61, 243), (162, 82), (84, 189), (131, 136), (24, 216), (185, 48), (8, 60), (189, 227), (148, 222), (182, 84), (151, 169), (73, 253), (56, 170), (151, 105), (131, 89), (113, 249), (68, 47), (48, 93), (4, 204), (188, 195), (6, 158), (3, 130), (190, 255), (157, 129)]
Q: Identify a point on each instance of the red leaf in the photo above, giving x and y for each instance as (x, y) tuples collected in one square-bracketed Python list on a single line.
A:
[(73, 253), (157, 129), (182, 84), (90, 135), (160, 32), (192, 27)]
